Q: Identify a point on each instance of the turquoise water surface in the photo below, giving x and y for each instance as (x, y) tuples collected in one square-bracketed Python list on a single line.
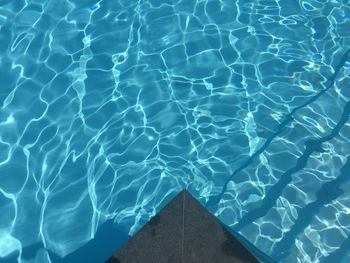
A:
[(108, 109)]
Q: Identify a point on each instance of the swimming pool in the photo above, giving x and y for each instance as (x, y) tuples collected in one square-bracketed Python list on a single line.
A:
[(111, 108)]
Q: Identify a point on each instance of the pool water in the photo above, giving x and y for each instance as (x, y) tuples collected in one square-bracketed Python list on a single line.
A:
[(110, 108)]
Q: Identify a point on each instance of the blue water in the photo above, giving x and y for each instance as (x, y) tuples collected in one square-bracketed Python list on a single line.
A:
[(110, 108)]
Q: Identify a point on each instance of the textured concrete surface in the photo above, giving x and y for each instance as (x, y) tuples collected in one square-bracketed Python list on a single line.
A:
[(183, 232)]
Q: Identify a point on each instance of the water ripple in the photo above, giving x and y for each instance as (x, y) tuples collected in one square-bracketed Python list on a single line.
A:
[(111, 108)]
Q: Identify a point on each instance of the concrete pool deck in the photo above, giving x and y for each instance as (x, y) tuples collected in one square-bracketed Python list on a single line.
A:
[(183, 232)]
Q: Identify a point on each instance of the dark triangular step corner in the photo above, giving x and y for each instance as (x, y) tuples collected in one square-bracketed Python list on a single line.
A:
[(183, 232)]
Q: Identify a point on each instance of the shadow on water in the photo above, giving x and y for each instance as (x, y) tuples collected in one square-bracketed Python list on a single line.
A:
[(107, 240)]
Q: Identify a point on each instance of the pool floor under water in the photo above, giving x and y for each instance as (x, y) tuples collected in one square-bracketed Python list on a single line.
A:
[(109, 109)]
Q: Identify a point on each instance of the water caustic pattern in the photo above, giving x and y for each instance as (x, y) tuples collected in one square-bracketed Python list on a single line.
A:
[(110, 108)]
